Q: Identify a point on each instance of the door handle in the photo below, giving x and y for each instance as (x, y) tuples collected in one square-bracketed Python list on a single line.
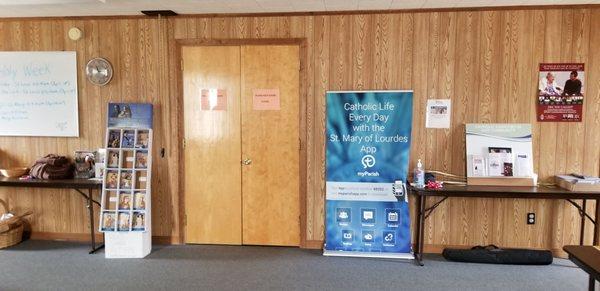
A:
[(247, 162)]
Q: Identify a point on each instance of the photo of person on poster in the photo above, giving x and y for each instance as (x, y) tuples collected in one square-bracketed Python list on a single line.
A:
[(573, 85), (548, 86)]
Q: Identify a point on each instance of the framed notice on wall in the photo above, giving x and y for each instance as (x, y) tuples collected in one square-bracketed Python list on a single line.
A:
[(561, 91)]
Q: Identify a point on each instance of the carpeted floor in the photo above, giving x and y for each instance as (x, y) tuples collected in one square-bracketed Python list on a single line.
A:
[(45, 265)]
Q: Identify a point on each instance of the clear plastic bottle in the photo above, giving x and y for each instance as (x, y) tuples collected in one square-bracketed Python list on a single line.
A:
[(419, 175)]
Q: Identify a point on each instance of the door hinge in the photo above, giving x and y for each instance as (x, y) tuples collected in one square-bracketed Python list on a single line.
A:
[(181, 65), (185, 219), (299, 144), (184, 143)]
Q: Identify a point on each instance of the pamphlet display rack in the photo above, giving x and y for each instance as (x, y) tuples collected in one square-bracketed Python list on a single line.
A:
[(499, 155), (126, 192)]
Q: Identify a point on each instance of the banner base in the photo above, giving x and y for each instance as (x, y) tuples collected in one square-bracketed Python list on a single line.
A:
[(400, 256)]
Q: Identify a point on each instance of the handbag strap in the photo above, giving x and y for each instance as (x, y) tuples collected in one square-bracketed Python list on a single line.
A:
[(488, 247)]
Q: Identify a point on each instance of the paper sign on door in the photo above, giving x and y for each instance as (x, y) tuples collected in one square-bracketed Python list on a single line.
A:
[(266, 99), (213, 99)]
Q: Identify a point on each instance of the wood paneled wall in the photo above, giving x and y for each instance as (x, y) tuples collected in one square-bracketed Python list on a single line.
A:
[(484, 60), (137, 49)]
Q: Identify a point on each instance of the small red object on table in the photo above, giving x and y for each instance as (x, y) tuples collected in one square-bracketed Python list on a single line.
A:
[(434, 185)]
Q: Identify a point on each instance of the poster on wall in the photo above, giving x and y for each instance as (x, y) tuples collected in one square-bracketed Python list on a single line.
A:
[(438, 113), (368, 143), (561, 90)]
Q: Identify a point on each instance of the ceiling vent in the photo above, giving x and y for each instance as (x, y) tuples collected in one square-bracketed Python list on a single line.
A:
[(159, 12)]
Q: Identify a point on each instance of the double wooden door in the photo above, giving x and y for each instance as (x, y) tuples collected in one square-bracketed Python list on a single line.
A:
[(241, 148)]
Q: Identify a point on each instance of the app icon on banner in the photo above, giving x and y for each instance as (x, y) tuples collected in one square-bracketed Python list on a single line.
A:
[(392, 215), (389, 238), (367, 215), (343, 215), (347, 236), (368, 236)]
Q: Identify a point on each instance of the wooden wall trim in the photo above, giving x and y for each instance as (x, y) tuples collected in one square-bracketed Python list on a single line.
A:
[(171, 240), (60, 236), (85, 237), (240, 41), (435, 248), (77, 18), (312, 244), (390, 11), (165, 240), (312, 13), (302, 135), (178, 84)]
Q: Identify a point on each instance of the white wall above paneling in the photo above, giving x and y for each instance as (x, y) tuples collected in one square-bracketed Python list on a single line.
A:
[(43, 2), (32, 8)]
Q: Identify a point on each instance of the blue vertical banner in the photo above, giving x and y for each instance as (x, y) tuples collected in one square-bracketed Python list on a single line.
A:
[(368, 148)]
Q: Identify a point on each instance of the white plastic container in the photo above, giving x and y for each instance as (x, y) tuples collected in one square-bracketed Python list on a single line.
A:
[(419, 175)]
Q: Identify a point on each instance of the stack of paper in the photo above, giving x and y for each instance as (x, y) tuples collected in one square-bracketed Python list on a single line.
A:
[(573, 183)]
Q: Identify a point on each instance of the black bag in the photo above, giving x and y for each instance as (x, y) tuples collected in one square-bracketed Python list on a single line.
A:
[(491, 254)]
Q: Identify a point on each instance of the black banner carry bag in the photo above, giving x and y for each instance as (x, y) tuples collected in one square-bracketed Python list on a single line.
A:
[(492, 254)]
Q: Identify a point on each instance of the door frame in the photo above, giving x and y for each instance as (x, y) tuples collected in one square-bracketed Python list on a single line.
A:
[(302, 122)]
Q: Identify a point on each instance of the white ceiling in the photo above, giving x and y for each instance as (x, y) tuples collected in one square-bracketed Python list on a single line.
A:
[(30, 8)]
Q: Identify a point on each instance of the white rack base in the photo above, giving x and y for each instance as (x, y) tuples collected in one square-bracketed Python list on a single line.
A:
[(119, 245)]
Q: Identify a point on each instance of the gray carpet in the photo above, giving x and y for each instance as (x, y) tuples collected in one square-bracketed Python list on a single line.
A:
[(45, 265)]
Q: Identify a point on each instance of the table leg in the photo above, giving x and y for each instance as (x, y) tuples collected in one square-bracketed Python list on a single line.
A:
[(595, 240), (417, 224), (420, 228), (90, 206), (582, 228), (592, 284)]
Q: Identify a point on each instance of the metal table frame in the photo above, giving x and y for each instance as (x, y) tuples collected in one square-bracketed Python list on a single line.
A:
[(79, 185), (423, 212), (588, 259)]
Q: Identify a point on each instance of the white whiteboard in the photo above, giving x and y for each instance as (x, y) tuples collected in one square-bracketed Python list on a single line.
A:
[(38, 94)]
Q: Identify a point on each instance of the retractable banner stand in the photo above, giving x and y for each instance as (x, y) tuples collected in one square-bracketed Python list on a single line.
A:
[(368, 143)]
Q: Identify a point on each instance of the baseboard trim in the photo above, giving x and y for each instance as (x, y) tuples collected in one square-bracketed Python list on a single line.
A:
[(438, 249), (312, 244), (174, 240), (165, 240), (85, 237), (62, 236), (559, 253)]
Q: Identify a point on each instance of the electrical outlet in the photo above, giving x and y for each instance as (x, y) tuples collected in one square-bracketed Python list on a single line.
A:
[(530, 218)]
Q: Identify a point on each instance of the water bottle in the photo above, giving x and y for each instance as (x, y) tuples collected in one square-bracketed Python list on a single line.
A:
[(419, 176)]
